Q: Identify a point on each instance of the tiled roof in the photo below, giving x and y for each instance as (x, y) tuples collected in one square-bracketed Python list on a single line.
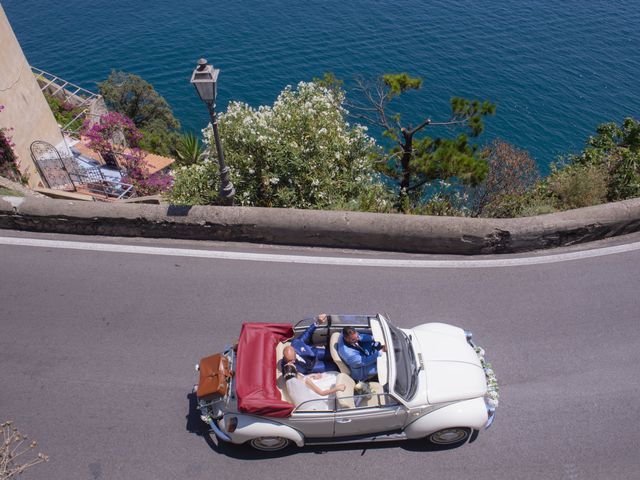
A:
[(154, 162), (86, 151)]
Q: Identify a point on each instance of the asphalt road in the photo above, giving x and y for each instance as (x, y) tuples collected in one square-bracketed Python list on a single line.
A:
[(97, 352)]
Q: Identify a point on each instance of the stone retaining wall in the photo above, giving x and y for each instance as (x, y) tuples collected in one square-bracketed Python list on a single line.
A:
[(391, 232)]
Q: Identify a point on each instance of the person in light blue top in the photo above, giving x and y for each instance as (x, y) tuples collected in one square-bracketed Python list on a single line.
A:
[(360, 352)]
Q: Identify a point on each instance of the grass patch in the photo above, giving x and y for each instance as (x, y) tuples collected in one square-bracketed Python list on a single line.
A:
[(11, 193)]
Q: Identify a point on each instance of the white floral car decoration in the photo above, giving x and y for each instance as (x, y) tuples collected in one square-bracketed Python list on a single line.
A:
[(493, 390)]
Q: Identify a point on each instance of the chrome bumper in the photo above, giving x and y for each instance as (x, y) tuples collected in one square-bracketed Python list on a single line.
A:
[(216, 429), (491, 411)]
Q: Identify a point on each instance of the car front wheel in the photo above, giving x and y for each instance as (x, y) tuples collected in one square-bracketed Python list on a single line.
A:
[(269, 444), (450, 436)]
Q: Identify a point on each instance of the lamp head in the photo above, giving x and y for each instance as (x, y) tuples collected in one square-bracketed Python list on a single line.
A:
[(205, 79)]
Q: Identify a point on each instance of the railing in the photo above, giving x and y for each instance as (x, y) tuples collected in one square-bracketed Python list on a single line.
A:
[(94, 181), (81, 97), (65, 173), (52, 80)]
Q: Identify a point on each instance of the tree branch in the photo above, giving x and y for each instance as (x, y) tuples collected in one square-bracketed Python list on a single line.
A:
[(377, 98), (417, 185), (435, 124)]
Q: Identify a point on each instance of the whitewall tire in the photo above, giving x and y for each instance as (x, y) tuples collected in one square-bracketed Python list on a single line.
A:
[(270, 444), (450, 436)]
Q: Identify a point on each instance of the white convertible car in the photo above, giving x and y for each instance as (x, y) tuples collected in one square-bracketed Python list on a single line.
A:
[(433, 383)]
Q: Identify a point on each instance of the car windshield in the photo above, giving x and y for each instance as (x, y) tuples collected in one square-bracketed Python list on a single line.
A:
[(406, 367)]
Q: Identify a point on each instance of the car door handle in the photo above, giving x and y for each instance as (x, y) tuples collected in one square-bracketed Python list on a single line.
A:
[(343, 420)]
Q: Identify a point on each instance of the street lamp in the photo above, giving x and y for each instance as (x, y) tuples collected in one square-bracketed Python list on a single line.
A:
[(205, 79)]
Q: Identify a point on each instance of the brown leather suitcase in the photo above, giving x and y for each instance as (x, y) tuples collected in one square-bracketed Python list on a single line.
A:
[(214, 373)]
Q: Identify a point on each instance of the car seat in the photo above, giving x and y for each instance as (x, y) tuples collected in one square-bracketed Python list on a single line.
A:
[(333, 348), (280, 383)]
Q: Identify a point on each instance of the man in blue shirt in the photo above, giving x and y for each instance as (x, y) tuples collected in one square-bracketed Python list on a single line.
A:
[(307, 357), (360, 352)]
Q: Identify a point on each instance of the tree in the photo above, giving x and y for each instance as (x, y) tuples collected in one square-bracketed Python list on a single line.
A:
[(300, 152), (576, 186), (136, 98), (511, 172), (415, 161), (616, 148)]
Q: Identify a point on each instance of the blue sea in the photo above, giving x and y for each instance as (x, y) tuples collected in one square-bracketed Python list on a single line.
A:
[(555, 69)]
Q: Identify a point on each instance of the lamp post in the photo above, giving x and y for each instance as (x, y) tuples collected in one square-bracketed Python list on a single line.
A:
[(205, 79)]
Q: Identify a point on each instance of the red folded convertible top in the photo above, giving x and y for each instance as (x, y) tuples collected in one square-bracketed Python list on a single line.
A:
[(256, 369)]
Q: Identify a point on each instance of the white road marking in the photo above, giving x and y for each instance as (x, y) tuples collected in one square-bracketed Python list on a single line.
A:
[(340, 261)]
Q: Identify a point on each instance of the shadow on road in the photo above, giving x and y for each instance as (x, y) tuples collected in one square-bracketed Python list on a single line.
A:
[(243, 452), (194, 423), (196, 426)]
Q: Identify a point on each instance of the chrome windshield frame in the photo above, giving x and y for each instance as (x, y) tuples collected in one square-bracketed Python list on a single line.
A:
[(391, 361)]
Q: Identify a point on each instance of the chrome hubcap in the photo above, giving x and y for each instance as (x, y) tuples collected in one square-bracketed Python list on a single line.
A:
[(448, 436), (269, 443)]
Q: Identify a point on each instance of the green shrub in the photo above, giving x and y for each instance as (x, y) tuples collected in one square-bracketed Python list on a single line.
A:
[(136, 98), (188, 149), (301, 152), (196, 184), (576, 186), (158, 139), (616, 148), (512, 173), (439, 205), (12, 193), (64, 112), (376, 199), (9, 162), (505, 206), (624, 175), (608, 169)]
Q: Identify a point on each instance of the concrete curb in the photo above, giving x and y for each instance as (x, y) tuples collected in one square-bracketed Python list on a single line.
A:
[(16, 187), (356, 230)]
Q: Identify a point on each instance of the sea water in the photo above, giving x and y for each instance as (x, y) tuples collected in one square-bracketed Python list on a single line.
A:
[(555, 69)]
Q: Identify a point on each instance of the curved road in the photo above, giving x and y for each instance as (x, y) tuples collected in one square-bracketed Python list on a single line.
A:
[(97, 351)]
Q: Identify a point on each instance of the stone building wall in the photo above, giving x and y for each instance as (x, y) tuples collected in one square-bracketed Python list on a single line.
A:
[(26, 109)]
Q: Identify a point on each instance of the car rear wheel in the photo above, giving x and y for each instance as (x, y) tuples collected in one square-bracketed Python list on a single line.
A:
[(269, 444), (450, 436)]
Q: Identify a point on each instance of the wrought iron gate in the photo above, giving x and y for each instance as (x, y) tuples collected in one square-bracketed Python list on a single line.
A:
[(54, 170)]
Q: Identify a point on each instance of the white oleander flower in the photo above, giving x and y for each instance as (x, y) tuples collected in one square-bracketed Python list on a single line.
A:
[(493, 389)]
